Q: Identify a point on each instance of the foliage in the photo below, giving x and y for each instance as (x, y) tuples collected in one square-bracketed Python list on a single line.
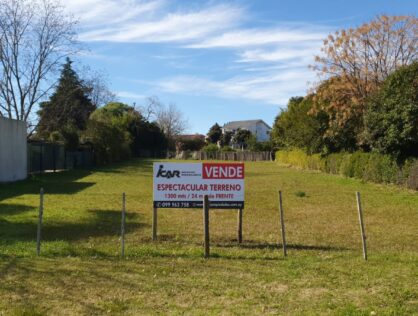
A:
[(241, 138), (215, 134), (392, 115), (361, 59), (226, 138), (227, 149), (296, 127), (190, 143), (372, 167), (108, 132), (210, 148), (68, 108)]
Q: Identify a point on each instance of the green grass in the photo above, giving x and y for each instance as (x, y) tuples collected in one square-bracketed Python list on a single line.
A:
[(80, 272)]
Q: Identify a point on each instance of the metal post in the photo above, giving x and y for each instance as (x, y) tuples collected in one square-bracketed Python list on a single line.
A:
[(282, 224), (122, 228), (360, 216), (154, 224), (41, 211), (240, 225), (206, 225)]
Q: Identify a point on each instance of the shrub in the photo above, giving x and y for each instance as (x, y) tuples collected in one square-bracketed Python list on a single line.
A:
[(412, 180), (381, 168), (333, 163), (227, 149), (210, 148)]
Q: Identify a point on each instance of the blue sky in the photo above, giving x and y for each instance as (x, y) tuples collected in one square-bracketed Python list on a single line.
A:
[(218, 61)]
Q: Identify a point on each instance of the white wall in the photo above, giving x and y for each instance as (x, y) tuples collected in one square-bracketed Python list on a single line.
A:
[(262, 133), (13, 150)]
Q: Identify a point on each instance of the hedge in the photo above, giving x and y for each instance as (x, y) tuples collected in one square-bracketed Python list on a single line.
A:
[(365, 166)]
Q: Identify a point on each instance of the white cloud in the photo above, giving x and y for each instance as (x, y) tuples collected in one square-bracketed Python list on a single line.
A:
[(178, 26), (130, 95), (95, 13), (258, 37), (274, 88)]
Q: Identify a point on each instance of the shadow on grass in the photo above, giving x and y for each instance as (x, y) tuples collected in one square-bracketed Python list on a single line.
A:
[(66, 182), (248, 244), (102, 223), (14, 209)]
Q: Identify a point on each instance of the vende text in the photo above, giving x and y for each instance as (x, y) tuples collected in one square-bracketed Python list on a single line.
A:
[(222, 171)]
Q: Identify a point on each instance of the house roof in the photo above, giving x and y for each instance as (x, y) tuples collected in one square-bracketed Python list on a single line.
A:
[(243, 124)]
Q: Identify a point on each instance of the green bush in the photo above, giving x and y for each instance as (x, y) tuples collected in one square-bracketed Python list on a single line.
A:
[(211, 148), (411, 174), (333, 163), (372, 167)]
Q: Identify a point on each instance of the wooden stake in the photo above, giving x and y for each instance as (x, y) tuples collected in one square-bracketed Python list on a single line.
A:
[(154, 224), (206, 225), (282, 224), (360, 217), (41, 212), (122, 226), (240, 225)]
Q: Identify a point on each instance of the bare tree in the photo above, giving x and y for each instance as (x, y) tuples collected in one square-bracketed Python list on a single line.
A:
[(151, 108), (97, 85), (35, 35), (168, 117)]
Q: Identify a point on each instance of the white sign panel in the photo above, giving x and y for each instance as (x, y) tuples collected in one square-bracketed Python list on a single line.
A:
[(183, 185)]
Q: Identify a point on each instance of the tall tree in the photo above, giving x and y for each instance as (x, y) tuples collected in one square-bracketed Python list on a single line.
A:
[(68, 108), (294, 127), (35, 35), (392, 115), (215, 134), (356, 62)]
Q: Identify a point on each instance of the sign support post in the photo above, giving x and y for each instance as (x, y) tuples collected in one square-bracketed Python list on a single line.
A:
[(154, 223), (240, 225), (206, 225), (282, 224)]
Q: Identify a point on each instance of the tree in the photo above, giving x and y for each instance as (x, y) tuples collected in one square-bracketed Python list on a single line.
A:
[(68, 109), (392, 115), (108, 132), (215, 134), (226, 138), (35, 35), (355, 62), (97, 85), (241, 137), (294, 127)]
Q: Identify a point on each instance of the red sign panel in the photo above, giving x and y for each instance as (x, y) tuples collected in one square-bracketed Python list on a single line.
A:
[(223, 171)]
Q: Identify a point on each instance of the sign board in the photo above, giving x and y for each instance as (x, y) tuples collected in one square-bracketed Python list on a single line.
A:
[(183, 185)]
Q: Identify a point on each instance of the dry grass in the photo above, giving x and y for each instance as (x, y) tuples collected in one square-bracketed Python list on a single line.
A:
[(80, 272)]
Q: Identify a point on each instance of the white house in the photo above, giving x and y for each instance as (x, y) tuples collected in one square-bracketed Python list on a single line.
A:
[(259, 128)]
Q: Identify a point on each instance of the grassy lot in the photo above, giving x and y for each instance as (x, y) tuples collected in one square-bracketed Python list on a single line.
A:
[(80, 271)]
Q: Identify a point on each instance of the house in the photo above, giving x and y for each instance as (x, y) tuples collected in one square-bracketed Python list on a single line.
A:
[(259, 128)]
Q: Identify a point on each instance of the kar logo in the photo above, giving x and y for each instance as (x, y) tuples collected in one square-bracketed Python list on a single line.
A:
[(167, 173)]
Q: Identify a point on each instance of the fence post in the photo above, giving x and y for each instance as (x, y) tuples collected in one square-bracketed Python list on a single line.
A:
[(240, 225), (154, 223), (360, 216), (282, 224), (206, 225), (122, 226), (41, 212)]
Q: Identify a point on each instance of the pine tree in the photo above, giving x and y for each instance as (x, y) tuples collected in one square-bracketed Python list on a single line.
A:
[(68, 108)]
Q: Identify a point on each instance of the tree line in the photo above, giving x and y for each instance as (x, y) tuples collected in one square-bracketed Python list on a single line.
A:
[(367, 98)]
